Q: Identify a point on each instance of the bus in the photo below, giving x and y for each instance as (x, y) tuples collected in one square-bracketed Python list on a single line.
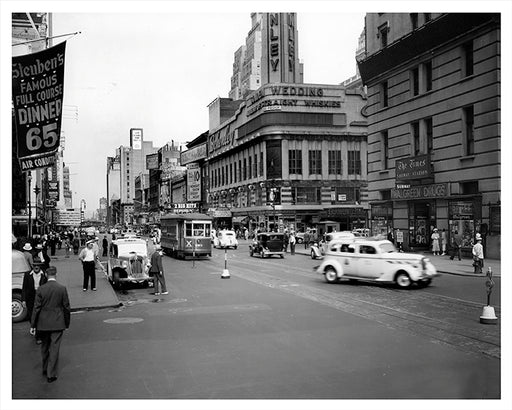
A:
[(186, 235)]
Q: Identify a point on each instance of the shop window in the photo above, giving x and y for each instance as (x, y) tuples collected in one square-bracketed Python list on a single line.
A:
[(335, 165), (468, 115), (306, 195), (385, 194), (315, 162), (354, 162), (295, 161), (384, 94), (384, 141), (467, 59)]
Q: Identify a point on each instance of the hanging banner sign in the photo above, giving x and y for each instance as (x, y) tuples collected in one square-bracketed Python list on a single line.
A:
[(37, 95)]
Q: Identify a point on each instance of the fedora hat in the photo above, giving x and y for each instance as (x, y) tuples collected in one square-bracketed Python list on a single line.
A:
[(27, 247)]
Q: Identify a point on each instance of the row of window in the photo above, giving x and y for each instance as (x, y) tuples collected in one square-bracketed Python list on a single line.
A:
[(420, 77), (383, 29), (242, 170), (315, 162), (422, 136)]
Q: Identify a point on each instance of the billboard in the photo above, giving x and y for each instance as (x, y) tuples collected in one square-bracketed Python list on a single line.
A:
[(136, 138), (193, 183), (37, 94), (152, 161)]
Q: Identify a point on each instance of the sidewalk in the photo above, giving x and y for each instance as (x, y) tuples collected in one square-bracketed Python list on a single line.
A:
[(443, 264), (70, 274)]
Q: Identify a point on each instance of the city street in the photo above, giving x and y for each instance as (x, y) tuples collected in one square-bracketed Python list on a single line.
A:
[(273, 330)]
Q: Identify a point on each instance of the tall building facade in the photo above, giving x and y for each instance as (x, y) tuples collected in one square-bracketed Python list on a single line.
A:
[(434, 125), (289, 154)]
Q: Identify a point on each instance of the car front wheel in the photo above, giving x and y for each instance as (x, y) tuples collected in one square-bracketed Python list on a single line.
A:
[(19, 312), (330, 275), (403, 280), (313, 255)]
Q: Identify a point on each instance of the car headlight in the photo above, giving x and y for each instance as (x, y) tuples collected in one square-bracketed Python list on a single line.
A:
[(124, 264)]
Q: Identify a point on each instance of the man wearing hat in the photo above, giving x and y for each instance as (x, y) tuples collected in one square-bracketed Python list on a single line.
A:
[(51, 316), (42, 257), (27, 253), (478, 255), (31, 282), (88, 258), (157, 271)]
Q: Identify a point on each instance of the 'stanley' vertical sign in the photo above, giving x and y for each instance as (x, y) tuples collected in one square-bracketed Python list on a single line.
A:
[(37, 94)]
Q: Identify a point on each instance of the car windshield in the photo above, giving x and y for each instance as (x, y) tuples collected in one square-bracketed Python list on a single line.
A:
[(387, 247)]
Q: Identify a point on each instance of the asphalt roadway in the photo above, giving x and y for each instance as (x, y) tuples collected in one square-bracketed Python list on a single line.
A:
[(206, 338)]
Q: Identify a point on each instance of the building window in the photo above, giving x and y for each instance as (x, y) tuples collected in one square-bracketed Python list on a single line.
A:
[(469, 130), (255, 165), (469, 188), (414, 20), (315, 162), (230, 173), (306, 195), (429, 132), (239, 170), (354, 162), (250, 168), (416, 143), (384, 149), (384, 94), (261, 163), (415, 81), (427, 17), (427, 75), (335, 163), (295, 161), (245, 169), (383, 35), (467, 61)]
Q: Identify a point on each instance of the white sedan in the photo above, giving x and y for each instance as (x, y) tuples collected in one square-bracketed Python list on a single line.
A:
[(225, 239), (374, 260)]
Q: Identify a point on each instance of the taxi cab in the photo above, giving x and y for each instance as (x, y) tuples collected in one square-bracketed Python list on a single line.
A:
[(128, 262), (225, 239), (375, 260)]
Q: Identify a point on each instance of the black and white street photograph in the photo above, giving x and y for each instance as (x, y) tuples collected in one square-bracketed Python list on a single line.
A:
[(245, 204)]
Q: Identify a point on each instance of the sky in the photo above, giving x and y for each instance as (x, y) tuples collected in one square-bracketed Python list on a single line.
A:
[(159, 72)]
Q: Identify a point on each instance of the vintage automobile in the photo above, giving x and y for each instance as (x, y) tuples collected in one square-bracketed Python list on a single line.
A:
[(19, 267), (128, 262), (267, 244), (300, 235), (375, 260), (225, 239)]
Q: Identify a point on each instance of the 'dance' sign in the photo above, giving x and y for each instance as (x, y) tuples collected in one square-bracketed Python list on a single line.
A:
[(37, 93)]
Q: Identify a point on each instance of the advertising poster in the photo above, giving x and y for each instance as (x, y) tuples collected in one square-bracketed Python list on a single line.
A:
[(37, 94), (193, 184)]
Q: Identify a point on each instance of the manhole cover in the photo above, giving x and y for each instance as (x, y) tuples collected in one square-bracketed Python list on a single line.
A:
[(122, 320)]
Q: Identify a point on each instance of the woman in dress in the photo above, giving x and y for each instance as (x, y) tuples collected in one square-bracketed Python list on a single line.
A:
[(435, 242)]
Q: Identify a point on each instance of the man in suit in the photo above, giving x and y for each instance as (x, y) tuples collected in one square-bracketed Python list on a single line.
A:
[(157, 271), (50, 317)]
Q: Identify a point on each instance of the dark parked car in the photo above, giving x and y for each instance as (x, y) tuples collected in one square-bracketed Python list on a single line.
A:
[(267, 244)]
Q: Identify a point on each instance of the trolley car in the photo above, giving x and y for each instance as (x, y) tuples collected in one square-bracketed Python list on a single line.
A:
[(186, 235)]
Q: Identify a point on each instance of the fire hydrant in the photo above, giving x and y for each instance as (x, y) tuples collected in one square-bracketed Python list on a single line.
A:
[(488, 316)]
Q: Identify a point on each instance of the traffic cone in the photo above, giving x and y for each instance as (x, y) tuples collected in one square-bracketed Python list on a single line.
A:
[(225, 272), (488, 316)]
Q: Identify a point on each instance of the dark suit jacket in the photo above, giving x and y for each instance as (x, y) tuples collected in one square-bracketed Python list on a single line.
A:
[(156, 262), (28, 290), (52, 311)]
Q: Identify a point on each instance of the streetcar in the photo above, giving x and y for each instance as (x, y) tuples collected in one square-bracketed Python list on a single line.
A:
[(186, 235)]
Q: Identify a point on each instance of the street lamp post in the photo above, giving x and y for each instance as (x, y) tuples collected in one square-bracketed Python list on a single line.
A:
[(29, 228)]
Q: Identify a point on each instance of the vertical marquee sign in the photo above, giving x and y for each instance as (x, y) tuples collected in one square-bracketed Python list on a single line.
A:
[(37, 95)]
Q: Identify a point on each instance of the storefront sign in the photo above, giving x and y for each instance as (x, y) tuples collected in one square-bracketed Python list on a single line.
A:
[(219, 212), (37, 94), (413, 167), (194, 154), (421, 191)]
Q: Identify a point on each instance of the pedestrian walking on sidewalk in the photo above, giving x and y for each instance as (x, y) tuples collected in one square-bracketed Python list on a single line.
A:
[(435, 242), (478, 256), (443, 241), (31, 282), (105, 245), (51, 316), (293, 241), (456, 246), (157, 270), (88, 258), (27, 253)]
